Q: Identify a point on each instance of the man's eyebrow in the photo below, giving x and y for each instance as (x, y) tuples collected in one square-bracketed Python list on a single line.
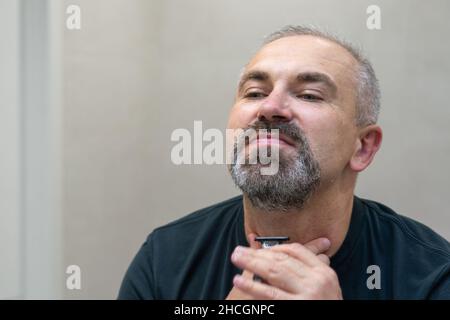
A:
[(317, 77), (308, 76), (252, 75)]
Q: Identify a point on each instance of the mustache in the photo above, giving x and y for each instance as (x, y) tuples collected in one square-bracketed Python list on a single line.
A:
[(287, 129)]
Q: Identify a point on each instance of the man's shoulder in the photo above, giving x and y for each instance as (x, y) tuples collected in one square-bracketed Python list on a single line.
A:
[(406, 229), (416, 257), (216, 214)]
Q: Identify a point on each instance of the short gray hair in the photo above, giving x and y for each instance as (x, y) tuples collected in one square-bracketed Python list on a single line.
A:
[(368, 91)]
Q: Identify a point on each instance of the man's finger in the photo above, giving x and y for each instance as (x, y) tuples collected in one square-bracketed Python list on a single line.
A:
[(318, 246), (300, 252), (247, 274), (324, 258), (259, 290)]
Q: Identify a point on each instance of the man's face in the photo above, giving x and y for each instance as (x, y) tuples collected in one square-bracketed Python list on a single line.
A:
[(308, 84)]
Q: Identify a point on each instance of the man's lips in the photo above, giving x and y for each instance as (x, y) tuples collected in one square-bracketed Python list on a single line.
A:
[(268, 139)]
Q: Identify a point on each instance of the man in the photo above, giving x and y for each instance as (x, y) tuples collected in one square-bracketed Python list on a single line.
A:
[(323, 98)]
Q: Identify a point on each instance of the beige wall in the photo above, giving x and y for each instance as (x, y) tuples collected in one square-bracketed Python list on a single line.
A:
[(139, 69)]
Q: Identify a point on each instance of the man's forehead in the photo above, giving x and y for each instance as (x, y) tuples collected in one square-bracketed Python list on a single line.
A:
[(308, 51)]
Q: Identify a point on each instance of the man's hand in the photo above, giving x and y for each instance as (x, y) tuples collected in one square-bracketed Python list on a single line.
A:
[(235, 293), (290, 271)]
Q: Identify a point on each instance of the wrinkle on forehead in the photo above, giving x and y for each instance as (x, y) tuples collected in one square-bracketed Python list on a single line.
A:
[(307, 50)]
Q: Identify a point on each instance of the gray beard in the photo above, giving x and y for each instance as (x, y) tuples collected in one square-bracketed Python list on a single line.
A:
[(291, 187)]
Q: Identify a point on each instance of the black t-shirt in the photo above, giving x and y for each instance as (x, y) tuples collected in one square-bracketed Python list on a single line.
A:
[(384, 256)]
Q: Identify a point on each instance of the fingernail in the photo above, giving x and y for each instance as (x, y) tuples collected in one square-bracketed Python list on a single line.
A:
[(236, 253), (326, 242), (237, 279)]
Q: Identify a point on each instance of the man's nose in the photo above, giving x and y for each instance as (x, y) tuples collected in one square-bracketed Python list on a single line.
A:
[(275, 107)]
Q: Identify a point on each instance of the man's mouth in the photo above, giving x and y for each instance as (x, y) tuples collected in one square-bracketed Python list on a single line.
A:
[(269, 139)]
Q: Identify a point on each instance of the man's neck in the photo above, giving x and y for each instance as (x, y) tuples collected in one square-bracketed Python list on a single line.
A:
[(326, 214)]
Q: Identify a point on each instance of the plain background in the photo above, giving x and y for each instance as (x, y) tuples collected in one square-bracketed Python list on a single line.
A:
[(138, 69)]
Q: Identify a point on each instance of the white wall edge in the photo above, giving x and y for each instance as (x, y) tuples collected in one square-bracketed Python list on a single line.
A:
[(41, 48)]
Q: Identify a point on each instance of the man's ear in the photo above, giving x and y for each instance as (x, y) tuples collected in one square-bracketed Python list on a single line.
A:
[(367, 145)]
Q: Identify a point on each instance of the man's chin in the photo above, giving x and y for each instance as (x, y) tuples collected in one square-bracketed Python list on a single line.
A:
[(284, 164)]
